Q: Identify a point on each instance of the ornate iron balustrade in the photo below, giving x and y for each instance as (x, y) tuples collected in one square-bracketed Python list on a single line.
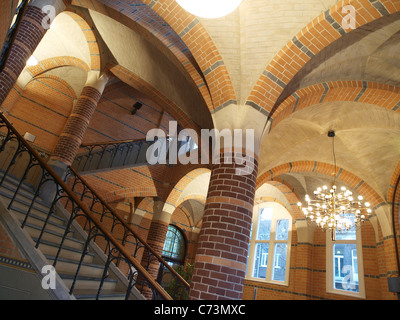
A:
[(104, 155), (19, 12), (23, 162), (111, 154), (121, 229)]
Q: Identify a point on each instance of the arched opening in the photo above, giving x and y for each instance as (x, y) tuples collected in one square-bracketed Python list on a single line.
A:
[(174, 250)]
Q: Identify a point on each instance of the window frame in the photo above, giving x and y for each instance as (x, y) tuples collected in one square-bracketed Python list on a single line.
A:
[(330, 268), (170, 258), (279, 212)]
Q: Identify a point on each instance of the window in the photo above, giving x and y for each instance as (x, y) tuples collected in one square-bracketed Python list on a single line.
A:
[(344, 268), (269, 248), (174, 246)]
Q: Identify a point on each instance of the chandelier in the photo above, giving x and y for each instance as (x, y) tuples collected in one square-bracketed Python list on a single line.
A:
[(333, 209)]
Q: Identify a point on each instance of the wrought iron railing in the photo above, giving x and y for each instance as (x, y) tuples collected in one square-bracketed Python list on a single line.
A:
[(111, 154), (104, 227), (121, 229), (104, 155), (19, 12)]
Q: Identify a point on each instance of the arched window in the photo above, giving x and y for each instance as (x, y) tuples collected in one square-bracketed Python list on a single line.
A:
[(174, 246), (269, 249), (345, 272)]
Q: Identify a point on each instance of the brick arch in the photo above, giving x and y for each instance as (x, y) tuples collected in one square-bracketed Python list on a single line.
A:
[(202, 47), (213, 80), (197, 197), (263, 199), (343, 175), (141, 85), (380, 94), (172, 200), (71, 91), (317, 35), (188, 216), (56, 62), (289, 193)]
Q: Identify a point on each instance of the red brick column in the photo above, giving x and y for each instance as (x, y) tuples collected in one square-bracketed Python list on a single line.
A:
[(155, 238), (30, 33), (71, 138), (221, 257)]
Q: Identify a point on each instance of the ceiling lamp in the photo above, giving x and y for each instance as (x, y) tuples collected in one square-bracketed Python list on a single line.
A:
[(335, 210), (32, 61), (209, 8)]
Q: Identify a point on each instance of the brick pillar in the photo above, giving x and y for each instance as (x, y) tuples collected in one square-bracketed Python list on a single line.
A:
[(71, 138), (155, 238), (30, 33), (303, 254), (224, 239)]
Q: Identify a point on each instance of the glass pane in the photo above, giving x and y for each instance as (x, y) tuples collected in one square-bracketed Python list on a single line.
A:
[(345, 267), (279, 269), (282, 229), (261, 260), (349, 234), (174, 245), (264, 224)]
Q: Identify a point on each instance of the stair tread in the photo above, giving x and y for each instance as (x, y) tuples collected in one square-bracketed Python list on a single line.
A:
[(15, 181), (79, 277), (25, 194), (55, 233), (91, 273), (62, 259), (35, 216), (50, 243), (91, 294)]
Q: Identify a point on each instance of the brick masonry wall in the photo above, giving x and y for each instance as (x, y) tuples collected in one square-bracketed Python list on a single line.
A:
[(113, 119), (42, 109), (307, 274)]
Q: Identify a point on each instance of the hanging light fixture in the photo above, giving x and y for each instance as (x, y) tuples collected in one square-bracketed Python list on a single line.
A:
[(209, 8), (335, 210)]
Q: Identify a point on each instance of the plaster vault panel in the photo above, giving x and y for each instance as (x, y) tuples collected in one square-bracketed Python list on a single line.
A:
[(140, 57)]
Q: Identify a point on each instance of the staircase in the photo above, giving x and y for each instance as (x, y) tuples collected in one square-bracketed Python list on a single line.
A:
[(90, 277), (96, 254)]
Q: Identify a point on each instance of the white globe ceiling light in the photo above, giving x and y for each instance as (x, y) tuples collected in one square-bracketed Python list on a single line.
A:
[(209, 8)]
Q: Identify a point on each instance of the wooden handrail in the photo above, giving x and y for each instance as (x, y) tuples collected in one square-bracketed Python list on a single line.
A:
[(87, 212)]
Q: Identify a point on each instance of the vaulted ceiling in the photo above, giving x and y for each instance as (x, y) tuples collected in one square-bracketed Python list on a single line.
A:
[(288, 59)]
